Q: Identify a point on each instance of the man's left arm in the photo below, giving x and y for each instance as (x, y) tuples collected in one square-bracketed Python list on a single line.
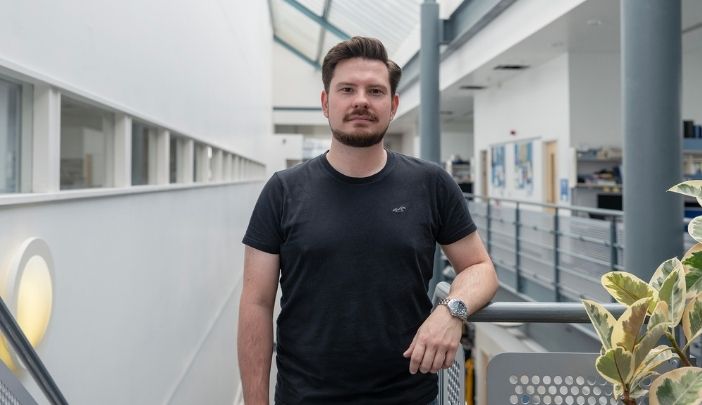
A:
[(435, 344)]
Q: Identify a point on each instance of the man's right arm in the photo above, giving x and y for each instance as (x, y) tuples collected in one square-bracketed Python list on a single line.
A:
[(255, 331)]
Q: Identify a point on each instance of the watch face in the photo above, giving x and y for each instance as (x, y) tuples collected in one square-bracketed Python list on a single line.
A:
[(457, 308)]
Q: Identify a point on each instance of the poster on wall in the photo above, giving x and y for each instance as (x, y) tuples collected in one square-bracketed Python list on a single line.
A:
[(565, 188), (523, 167), (497, 159)]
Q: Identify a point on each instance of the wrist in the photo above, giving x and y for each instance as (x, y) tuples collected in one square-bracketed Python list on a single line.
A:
[(456, 307)]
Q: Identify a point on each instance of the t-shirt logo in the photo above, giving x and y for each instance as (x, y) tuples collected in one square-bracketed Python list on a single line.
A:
[(399, 210)]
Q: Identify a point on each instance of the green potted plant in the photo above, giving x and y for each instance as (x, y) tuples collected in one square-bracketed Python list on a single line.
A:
[(670, 301)]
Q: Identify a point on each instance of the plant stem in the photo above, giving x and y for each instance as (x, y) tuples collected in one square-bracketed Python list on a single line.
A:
[(625, 396), (683, 357)]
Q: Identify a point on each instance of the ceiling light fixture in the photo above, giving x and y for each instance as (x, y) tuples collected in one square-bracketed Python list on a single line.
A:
[(28, 292), (511, 67)]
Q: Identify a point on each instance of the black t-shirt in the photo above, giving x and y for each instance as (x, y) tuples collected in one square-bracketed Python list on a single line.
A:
[(356, 256)]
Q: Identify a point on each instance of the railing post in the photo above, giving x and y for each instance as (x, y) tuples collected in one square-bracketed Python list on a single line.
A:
[(489, 227), (556, 257), (518, 284), (613, 255)]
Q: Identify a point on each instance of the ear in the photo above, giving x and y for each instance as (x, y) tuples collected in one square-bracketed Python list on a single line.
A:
[(325, 103), (395, 104)]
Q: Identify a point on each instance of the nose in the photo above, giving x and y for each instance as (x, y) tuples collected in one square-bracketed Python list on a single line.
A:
[(361, 100)]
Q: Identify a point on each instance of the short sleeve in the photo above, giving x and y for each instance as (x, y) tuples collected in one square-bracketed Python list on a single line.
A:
[(264, 231), (455, 221)]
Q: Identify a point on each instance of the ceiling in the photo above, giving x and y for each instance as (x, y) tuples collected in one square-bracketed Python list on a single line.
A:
[(309, 28), (593, 26)]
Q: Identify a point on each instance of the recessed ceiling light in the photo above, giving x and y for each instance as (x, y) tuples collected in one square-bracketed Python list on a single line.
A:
[(594, 22), (472, 87), (511, 67)]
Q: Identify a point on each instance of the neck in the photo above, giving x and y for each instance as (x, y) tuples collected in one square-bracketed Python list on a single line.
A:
[(357, 162)]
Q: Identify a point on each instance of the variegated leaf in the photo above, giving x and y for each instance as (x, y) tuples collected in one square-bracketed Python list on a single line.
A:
[(693, 281), (602, 320), (616, 365), (663, 271), (694, 228), (692, 188), (649, 340), (625, 287), (628, 327), (673, 293), (677, 387), (660, 315), (692, 318), (693, 257), (654, 359)]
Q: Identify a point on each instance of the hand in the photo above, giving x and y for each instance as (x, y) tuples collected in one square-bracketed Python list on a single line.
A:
[(435, 344)]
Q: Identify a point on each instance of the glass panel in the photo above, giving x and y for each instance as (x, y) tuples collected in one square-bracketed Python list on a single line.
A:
[(296, 29), (143, 154), (10, 136), (86, 145), (317, 6), (391, 21)]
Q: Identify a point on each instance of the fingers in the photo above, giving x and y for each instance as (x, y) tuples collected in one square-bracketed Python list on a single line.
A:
[(417, 357), (409, 350), (439, 360), (427, 362), (448, 360)]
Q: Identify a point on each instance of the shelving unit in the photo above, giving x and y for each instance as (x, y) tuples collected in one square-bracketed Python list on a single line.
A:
[(591, 189)]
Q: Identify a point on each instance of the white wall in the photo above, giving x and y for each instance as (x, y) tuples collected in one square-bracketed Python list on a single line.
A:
[(296, 83), (692, 83), (201, 68), (457, 139), (145, 291), (280, 149), (535, 104)]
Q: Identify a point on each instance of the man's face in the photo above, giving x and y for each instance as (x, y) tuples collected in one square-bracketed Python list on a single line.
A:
[(359, 105)]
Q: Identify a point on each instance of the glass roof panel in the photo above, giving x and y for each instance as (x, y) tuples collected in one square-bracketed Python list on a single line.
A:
[(314, 5), (391, 21), (295, 28)]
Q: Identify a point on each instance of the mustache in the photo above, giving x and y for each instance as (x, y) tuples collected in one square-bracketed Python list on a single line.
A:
[(360, 114)]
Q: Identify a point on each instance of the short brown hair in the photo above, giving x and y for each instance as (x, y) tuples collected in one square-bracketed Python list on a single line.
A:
[(359, 47)]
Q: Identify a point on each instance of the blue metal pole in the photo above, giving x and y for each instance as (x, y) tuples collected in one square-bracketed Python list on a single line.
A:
[(651, 94)]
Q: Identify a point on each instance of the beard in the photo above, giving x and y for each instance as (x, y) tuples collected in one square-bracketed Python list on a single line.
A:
[(359, 139)]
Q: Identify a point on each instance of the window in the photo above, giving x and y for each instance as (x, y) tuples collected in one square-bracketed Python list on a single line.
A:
[(174, 158), (10, 136), (143, 154), (87, 138)]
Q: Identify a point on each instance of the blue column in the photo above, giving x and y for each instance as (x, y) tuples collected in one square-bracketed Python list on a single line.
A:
[(651, 92), (429, 130)]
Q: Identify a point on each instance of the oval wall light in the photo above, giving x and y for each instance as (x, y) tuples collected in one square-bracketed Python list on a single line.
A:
[(28, 293)]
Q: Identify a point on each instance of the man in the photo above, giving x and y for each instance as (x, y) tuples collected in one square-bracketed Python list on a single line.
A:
[(352, 236)]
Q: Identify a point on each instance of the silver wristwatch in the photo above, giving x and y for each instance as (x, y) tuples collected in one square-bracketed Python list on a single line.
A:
[(456, 307)]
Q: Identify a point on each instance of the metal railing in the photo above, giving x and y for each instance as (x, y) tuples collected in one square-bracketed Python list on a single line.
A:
[(19, 343), (550, 252), (541, 312)]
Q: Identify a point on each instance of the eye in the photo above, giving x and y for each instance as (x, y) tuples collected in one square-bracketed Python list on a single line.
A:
[(376, 92), (346, 89)]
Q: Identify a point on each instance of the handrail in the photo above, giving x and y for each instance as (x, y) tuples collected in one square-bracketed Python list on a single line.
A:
[(542, 312), (600, 211), (29, 356)]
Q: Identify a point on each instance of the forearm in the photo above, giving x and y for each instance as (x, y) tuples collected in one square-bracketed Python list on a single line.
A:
[(475, 286), (255, 349)]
